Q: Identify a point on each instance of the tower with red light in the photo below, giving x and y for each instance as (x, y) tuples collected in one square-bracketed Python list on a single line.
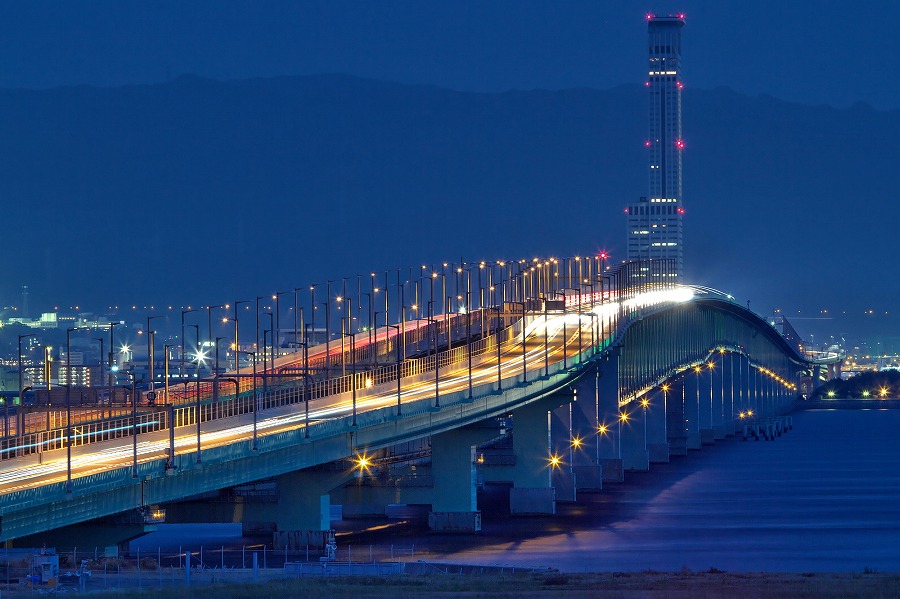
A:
[(655, 221)]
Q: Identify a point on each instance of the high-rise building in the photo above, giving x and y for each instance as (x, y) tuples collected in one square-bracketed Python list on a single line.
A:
[(655, 221)]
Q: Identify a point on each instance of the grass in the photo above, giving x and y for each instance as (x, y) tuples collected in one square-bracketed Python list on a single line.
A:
[(683, 584)]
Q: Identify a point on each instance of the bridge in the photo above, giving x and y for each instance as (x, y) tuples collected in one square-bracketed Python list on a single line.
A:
[(554, 385)]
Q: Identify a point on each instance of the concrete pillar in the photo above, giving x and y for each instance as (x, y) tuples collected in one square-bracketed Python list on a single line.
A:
[(454, 506), (705, 409), (729, 399), (676, 433), (634, 437), (610, 458), (577, 440), (533, 491), (304, 503), (717, 383), (658, 426), (692, 385)]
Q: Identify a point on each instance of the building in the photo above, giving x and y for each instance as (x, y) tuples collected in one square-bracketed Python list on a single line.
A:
[(655, 221)]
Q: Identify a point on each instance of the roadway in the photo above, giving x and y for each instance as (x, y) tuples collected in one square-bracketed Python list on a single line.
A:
[(545, 344)]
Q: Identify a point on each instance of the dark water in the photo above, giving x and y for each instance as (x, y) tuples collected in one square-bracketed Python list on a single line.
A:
[(823, 497)]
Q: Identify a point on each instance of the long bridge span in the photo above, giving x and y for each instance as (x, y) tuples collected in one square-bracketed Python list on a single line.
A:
[(551, 396)]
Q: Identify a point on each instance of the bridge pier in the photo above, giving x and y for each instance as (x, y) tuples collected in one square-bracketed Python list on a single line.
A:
[(692, 410), (729, 401), (609, 452), (658, 427), (533, 491), (304, 503), (717, 392), (578, 443), (676, 433), (634, 433), (454, 506)]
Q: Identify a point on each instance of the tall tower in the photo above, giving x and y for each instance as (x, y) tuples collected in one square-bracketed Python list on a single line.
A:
[(655, 222)]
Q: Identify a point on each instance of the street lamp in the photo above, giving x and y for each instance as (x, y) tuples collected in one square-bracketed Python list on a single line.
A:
[(19, 368), (69, 409), (151, 361), (623, 418), (399, 364), (524, 351), (645, 403), (437, 363), (183, 344), (209, 333), (252, 355), (276, 335)]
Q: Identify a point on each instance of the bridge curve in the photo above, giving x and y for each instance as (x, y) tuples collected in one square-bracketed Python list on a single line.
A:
[(636, 346)]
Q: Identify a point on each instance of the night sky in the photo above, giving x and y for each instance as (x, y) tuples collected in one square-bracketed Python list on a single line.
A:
[(811, 51), (814, 53)]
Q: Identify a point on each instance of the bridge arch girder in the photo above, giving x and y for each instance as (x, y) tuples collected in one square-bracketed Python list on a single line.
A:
[(668, 343)]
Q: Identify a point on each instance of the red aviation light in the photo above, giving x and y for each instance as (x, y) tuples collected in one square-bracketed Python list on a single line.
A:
[(681, 16), (679, 143), (646, 84), (679, 85), (647, 144), (626, 211), (681, 211), (649, 16), (603, 255)]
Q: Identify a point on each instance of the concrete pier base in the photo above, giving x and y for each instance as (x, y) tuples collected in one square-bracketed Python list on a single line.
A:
[(658, 453), (534, 501), (612, 470)]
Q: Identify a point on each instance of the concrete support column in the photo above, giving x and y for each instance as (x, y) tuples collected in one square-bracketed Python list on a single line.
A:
[(676, 433), (717, 386), (304, 503), (658, 425), (454, 506), (610, 457), (692, 385), (532, 491), (634, 437), (729, 398), (705, 383)]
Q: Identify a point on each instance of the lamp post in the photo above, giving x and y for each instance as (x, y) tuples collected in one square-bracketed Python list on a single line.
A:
[(498, 309), (437, 364), (623, 417), (216, 378), (372, 346), (276, 335), (307, 390), (271, 349), (399, 374), (102, 370), (252, 355), (469, 338), (134, 463), (298, 318), (209, 333), (524, 352), (112, 363), (21, 384), (166, 372), (352, 362), (69, 409), (151, 361), (237, 343), (183, 344)]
